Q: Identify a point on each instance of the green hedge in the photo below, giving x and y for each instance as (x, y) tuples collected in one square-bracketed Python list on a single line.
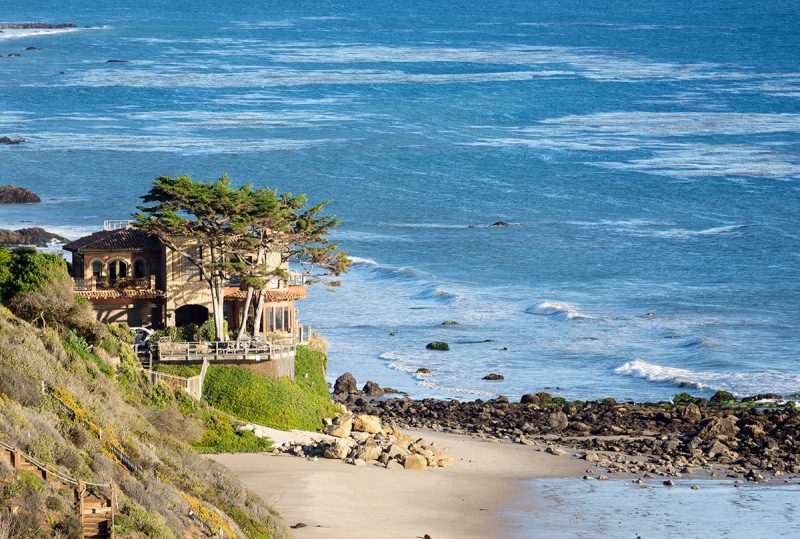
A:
[(281, 404)]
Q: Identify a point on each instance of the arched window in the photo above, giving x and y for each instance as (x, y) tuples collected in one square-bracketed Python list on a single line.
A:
[(139, 269), (118, 269), (97, 268)]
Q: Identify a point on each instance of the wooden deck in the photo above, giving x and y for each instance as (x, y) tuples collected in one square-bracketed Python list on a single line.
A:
[(231, 352)]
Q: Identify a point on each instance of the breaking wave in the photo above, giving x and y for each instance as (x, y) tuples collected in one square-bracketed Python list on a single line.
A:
[(438, 294), (381, 270), (553, 308), (739, 383)]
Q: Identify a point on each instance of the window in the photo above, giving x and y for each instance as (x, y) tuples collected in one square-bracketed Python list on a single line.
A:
[(118, 269), (97, 268), (190, 270), (138, 269)]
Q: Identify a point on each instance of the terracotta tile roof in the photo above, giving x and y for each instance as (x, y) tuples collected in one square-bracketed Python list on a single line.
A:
[(123, 239), (285, 294), (123, 293)]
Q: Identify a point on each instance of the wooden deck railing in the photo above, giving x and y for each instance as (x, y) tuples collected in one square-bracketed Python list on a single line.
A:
[(193, 385), (302, 333), (167, 351)]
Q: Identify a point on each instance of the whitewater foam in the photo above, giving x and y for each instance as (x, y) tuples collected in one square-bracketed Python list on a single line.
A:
[(554, 308), (739, 383)]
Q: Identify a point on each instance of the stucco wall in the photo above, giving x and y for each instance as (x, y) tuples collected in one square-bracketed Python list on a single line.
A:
[(134, 312), (183, 285)]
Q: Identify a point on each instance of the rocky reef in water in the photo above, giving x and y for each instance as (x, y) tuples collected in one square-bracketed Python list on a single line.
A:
[(10, 194), (36, 236), (36, 26)]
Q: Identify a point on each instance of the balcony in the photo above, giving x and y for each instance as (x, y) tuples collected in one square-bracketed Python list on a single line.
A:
[(97, 287), (105, 283)]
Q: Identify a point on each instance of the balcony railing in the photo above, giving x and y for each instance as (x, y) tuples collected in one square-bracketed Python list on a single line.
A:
[(297, 278), (120, 283), (294, 279), (111, 224)]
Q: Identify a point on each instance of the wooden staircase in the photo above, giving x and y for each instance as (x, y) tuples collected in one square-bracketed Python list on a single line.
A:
[(96, 511), (97, 516)]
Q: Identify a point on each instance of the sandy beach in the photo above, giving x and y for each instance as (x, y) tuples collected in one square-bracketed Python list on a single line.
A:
[(337, 500)]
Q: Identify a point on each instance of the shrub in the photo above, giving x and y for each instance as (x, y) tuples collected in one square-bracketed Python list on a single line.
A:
[(184, 371), (19, 386), (221, 437), (170, 419), (281, 404), (26, 269), (38, 288), (318, 342), (79, 346), (133, 516)]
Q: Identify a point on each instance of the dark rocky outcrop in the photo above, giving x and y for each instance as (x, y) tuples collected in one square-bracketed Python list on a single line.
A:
[(11, 141), (666, 438), (722, 397), (345, 384), (438, 345), (494, 376), (371, 389), (29, 236), (36, 26), (113, 61), (10, 194), (499, 224)]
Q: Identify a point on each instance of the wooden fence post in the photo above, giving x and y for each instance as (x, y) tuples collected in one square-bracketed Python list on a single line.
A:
[(113, 507), (81, 489)]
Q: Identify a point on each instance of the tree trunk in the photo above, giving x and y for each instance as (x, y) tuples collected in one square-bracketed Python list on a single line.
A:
[(249, 300), (219, 311), (258, 315), (245, 314)]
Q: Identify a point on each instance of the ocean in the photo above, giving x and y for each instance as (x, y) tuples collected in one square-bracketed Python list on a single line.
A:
[(646, 158)]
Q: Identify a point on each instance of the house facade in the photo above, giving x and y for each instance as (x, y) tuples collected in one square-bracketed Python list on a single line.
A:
[(130, 276)]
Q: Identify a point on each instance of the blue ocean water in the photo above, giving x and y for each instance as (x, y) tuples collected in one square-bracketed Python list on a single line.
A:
[(646, 155), (623, 510)]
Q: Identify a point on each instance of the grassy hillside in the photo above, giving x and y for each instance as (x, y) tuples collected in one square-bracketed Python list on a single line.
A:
[(282, 404), (49, 340)]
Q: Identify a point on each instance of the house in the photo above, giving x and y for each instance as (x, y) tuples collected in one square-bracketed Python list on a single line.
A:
[(130, 276)]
